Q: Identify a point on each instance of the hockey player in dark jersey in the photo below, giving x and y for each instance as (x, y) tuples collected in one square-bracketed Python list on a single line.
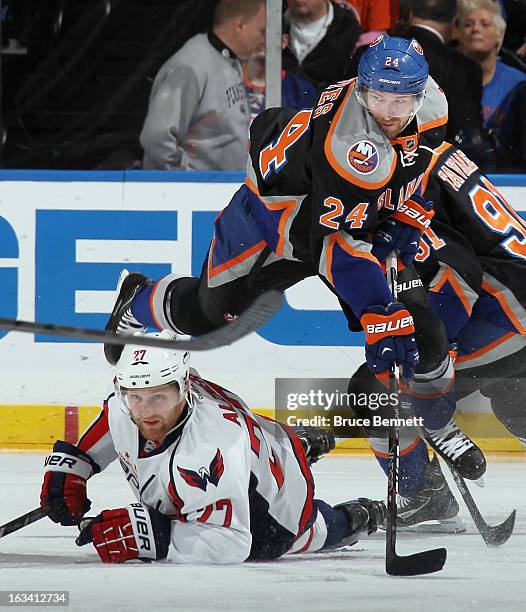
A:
[(214, 482), (319, 184), (472, 261)]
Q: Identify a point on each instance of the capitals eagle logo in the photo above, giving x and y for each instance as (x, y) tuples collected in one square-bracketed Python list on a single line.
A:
[(203, 476)]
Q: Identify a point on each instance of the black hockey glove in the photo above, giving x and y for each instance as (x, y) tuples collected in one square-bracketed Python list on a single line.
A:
[(316, 441)]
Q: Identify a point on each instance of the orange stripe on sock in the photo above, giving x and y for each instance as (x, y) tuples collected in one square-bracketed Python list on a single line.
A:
[(152, 311), (403, 452)]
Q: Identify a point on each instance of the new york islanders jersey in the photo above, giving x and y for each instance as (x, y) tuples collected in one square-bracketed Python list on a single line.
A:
[(473, 258), (237, 485), (318, 183)]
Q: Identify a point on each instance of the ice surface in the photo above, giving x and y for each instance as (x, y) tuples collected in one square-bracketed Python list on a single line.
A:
[(43, 556)]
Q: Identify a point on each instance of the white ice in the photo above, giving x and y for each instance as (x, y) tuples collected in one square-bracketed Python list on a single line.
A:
[(43, 556)]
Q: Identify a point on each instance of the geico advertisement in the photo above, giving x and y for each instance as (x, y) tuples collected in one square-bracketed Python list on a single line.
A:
[(62, 246)]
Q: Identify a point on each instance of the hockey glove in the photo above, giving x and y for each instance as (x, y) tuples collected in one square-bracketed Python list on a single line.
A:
[(389, 339), (403, 230), (63, 492), (134, 532), (316, 441), (364, 515)]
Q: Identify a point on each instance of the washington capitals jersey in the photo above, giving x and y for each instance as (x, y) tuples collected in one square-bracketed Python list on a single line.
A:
[(236, 485), (318, 182)]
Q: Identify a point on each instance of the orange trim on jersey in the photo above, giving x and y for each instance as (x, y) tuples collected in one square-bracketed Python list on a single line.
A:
[(335, 164), (448, 276), (403, 452), (286, 205), (435, 157), (429, 125), (215, 270), (499, 296), (152, 311), (355, 252), (337, 238), (485, 349)]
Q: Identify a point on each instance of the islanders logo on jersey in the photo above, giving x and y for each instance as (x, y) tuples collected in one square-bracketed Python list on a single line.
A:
[(363, 157)]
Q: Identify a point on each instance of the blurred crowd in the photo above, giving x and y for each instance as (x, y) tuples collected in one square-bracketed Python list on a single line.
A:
[(208, 90)]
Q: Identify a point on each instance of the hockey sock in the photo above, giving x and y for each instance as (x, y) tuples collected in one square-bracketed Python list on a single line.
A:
[(413, 461), (432, 396), (338, 526), (141, 308)]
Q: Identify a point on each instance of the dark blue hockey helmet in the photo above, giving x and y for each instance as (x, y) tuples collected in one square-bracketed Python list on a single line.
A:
[(393, 65)]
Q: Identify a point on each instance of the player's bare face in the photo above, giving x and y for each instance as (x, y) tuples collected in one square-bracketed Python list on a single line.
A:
[(391, 111), (155, 411)]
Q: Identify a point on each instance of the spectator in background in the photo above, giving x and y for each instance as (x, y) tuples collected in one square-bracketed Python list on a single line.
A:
[(323, 35), (375, 16), (431, 23), (198, 115), (296, 92), (482, 31)]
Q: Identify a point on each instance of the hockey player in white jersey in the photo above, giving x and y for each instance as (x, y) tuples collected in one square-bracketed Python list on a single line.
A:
[(214, 482)]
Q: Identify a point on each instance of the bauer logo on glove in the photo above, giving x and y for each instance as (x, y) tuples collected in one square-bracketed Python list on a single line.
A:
[(124, 534), (403, 230), (389, 339)]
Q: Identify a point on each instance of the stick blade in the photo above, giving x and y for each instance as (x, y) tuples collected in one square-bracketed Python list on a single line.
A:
[(426, 562), (496, 535), (493, 535)]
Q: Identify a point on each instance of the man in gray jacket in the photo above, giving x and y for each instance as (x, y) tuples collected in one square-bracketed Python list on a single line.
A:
[(198, 116)]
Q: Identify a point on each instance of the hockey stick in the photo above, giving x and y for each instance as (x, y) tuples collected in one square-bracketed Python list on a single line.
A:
[(22, 521), (428, 561), (493, 535), (262, 309)]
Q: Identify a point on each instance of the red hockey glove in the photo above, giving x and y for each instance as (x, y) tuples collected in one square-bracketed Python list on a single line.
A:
[(389, 339), (63, 492), (134, 532), (403, 230)]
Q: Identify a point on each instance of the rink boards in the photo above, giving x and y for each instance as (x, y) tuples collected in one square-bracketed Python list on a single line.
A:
[(64, 237)]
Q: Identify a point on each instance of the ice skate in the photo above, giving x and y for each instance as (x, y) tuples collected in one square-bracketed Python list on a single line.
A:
[(122, 320), (456, 448), (433, 508)]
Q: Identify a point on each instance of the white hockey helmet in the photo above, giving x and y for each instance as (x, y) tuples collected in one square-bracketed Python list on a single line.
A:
[(143, 367)]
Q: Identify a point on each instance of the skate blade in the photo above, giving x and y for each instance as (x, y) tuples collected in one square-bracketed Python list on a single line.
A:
[(124, 273), (480, 482), (450, 525)]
